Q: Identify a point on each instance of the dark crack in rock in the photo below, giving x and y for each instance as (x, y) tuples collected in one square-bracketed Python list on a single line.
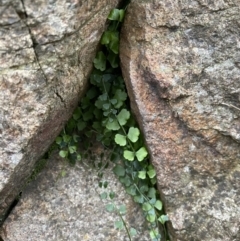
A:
[(46, 54)]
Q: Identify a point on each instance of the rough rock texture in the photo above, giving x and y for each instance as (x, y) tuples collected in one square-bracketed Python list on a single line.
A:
[(181, 63), (46, 53), (56, 208)]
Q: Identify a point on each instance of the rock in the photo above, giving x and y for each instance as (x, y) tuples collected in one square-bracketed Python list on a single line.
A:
[(70, 208), (47, 49), (180, 61)]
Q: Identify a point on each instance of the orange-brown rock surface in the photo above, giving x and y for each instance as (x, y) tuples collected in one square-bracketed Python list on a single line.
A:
[(181, 64)]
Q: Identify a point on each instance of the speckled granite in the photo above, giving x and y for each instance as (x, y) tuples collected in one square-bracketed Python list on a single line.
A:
[(56, 208), (181, 64), (46, 54)]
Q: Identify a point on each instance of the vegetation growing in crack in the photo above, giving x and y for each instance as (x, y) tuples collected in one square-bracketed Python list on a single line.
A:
[(104, 113)]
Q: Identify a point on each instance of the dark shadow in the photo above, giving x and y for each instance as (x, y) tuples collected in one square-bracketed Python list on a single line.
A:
[(14, 203)]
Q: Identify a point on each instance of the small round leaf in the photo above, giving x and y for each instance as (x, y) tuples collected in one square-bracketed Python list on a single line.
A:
[(63, 154), (121, 15), (58, 140), (152, 192), (133, 232), (126, 181), (100, 61), (122, 209), (146, 206), (139, 199), (72, 149), (114, 14), (154, 234), (133, 134), (151, 173), (163, 219), (113, 101), (120, 140), (112, 195), (119, 224), (141, 154), (113, 125), (106, 106), (129, 155), (103, 195), (142, 174), (158, 205), (131, 190), (66, 138), (110, 207), (151, 218), (119, 170), (123, 116)]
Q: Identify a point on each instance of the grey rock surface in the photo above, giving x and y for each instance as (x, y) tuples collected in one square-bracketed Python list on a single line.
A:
[(180, 60), (46, 54), (56, 208)]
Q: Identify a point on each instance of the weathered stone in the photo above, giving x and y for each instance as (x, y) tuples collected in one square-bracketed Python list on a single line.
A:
[(46, 53), (180, 60), (70, 208)]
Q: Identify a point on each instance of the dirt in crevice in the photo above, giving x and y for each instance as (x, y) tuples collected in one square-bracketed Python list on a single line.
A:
[(9, 210)]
